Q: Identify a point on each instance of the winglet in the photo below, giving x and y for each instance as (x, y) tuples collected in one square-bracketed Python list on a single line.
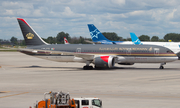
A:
[(96, 35), (135, 39)]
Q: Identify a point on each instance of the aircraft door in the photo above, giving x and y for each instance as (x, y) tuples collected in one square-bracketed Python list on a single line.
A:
[(128, 51), (156, 51), (78, 50)]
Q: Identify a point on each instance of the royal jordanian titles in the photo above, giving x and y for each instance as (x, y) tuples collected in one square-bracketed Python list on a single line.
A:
[(100, 55)]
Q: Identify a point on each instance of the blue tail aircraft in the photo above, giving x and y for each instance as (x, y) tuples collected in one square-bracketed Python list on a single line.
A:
[(135, 39), (98, 37)]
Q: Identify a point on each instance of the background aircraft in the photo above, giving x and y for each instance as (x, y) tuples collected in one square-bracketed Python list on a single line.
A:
[(102, 56), (174, 46), (65, 41), (98, 37)]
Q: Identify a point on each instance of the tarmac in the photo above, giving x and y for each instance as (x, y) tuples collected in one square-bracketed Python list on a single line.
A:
[(24, 79)]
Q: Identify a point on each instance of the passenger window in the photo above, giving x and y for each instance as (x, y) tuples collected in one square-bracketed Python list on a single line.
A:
[(85, 102)]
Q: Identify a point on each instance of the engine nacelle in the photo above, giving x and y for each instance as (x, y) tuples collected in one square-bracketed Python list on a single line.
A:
[(104, 61), (126, 63)]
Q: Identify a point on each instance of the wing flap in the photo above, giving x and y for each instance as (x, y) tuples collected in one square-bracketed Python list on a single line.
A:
[(49, 52)]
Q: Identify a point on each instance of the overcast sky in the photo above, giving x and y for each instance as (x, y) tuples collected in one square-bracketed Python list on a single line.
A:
[(49, 17)]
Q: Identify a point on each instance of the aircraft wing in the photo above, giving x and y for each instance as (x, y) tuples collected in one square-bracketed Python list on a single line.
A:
[(90, 41), (49, 52)]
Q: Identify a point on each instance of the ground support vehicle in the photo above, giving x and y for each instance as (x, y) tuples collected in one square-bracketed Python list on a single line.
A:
[(88, 102), (63, 100)]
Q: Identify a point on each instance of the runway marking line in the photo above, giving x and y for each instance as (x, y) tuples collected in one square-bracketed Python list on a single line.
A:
[(4, 91), (14, 94)]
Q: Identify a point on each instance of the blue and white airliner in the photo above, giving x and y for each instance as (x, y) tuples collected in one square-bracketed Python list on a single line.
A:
[(98, 38)]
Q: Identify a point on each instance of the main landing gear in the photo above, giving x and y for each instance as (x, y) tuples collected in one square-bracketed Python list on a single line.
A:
[(87, 67), (161, 66)]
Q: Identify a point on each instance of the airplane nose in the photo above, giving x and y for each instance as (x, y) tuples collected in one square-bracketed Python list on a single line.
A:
[(176, 58)]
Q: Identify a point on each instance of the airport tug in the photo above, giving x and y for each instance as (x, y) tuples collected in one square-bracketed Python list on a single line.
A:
[(63, 100)]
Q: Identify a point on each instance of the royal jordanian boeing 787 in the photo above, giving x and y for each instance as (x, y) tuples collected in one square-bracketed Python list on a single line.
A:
[(101, 55)]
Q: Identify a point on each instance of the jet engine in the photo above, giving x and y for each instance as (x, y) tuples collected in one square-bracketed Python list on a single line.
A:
[(104, 62)]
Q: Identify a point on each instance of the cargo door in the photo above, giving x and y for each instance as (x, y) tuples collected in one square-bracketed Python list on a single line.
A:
[(78, 50), (128, 51), (156, 51)]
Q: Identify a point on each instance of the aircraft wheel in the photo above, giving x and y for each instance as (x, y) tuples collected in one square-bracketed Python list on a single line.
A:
[(87, 67), (90, 67), (161, 67), (97, 67)]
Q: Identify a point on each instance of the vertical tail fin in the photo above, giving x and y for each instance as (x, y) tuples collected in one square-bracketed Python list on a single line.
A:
[(135, 39), (96, 35), (65, 41), (30, 36)]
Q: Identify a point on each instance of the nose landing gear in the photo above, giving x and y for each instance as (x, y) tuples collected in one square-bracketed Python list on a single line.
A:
[(161, 66)]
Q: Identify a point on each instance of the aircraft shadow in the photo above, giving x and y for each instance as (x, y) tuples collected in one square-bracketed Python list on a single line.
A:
[(114, 68), (46, 67)]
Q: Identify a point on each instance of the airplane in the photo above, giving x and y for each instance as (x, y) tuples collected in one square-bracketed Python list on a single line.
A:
[(65, 41), (102, 56), (98, 38), (174, 46)]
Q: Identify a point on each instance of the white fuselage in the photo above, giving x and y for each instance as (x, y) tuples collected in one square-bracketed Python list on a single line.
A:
[(174, 46)]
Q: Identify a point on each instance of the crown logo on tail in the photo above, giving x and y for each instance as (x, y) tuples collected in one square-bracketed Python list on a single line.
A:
[(29, 36)]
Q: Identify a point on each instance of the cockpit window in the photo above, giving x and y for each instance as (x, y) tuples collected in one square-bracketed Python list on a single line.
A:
[(169, 51), (96, 102)]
